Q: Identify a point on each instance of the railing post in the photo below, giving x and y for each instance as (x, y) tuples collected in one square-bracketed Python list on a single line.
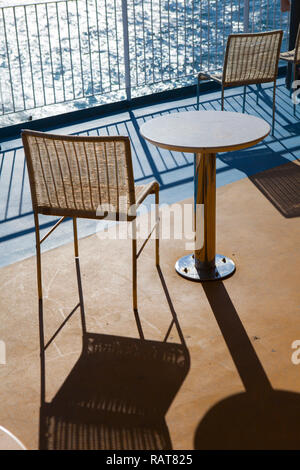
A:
[(126, 49), (1, 98), (246, 15)]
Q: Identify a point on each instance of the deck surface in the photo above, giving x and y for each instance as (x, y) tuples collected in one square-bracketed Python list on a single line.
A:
[(228, 375), (231, 337)]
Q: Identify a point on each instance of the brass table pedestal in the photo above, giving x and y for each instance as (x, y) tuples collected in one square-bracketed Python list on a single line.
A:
[(205, 264)]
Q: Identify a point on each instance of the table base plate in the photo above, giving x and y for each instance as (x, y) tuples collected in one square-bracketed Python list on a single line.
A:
[(224, 267)]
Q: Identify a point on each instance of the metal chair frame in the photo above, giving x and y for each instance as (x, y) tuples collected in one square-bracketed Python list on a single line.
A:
[(232, 67), (151, 188), (293, 57)]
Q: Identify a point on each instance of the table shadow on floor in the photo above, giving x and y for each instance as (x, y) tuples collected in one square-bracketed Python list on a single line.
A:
[(260, 417)]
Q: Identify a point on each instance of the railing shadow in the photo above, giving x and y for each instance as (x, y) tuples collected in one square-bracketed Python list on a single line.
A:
[(117, 394), (280, 184), (259, 418), (170, 169), (293, 128)]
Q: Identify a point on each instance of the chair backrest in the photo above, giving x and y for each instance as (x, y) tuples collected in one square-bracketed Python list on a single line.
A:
[(297, 46), (74, 175), (252, 58)]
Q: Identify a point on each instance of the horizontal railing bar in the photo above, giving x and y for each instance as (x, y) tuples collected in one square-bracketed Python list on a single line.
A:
[(53, 122), (30, 3)]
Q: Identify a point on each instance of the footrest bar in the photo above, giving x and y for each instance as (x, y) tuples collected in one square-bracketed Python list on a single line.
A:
[(61, 326), (145, 242)]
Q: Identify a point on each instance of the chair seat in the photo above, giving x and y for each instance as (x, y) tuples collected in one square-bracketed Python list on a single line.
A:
[(289, 56), (242, 80), (217, 77), (211, 76), (142, 190)]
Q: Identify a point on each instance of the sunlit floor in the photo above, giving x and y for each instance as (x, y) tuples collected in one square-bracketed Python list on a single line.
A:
[(226, 338), (212, 365)]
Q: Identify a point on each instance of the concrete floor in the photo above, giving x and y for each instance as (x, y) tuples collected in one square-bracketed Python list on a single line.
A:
[(224, 379)]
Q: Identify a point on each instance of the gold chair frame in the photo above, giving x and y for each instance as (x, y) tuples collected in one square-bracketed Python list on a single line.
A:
[(293, 57), (250, 58), (62, 184)]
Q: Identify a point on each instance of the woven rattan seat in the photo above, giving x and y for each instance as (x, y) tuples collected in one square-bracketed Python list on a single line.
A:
[(217, 77), (250, 58), (293, 55), (288, 55)]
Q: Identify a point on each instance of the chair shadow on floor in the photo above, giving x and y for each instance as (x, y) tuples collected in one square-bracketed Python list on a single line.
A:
[(117, 394), (259, 418), (279, 184)]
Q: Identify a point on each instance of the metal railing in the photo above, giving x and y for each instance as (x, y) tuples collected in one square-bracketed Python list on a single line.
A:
[(87, 52), (55, 52)]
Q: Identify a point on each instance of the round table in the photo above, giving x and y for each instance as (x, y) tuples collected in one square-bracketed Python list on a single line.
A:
[(205, 133), (8, 441)]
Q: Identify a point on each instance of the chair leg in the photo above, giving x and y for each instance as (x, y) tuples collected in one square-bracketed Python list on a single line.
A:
[(157, 227), (244, 98), (294, 78), (222, 99), (79, 284), (134, 267), (274, 108), (257, 92), (41, 316), (198, 92), (134, 282)]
